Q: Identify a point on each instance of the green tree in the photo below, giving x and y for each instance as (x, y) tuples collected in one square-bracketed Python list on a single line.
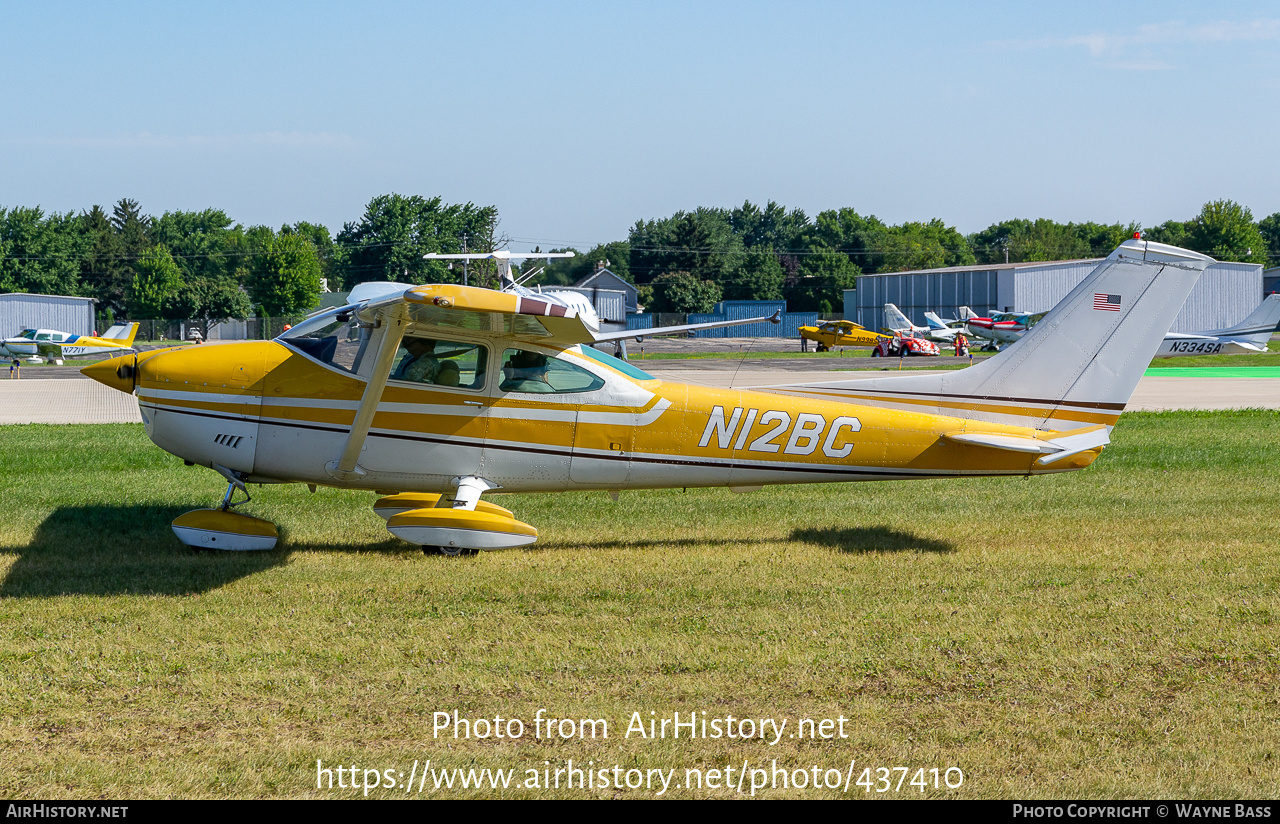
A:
[(1225, 230), (840, 232), (132, 228), (682, 292), (912, 246), (1025, 240), (388, 243), (1269, 228), (285, 280), (105, 272), (211, 300), (1173, 232), (823, 276), (772, 227), (41, 254), (1102, 239), (156, 286), (759, 277), (318, 237), (701, 243), (205, 244)]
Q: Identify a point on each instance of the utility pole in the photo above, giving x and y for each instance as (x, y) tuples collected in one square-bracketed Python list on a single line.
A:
[(464, 262)]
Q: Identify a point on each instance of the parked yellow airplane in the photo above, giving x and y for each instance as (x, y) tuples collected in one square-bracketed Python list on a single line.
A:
[(830, 334), (442, 393)]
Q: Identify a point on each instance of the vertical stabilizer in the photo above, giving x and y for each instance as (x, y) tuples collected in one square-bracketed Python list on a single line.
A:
[(935, 322), (895, 320), (123, 332), (1256, 328)]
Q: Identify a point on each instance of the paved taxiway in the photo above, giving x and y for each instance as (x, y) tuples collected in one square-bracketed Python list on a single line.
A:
[(63, 395)]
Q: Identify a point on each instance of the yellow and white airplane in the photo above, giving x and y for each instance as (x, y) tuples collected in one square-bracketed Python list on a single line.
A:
[(435, 395), (56, 345)]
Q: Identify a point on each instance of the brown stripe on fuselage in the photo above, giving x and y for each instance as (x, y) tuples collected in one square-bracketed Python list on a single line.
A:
[(1053, 409)]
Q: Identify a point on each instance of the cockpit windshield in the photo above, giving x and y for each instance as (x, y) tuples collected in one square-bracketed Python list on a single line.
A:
[(333, 337)]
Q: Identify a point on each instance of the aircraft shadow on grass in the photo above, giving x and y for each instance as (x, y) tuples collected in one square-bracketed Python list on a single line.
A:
[(841, 539), (120, 550), (129, 550), (871, 539)]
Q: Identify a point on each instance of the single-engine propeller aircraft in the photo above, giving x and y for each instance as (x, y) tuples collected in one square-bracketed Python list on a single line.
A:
[(1001, 328), (436, 395), (1248, 336), (58, 345), (832, 333)]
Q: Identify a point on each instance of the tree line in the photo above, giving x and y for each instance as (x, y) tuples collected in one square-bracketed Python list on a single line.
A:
[(203, 265), (689, 261)]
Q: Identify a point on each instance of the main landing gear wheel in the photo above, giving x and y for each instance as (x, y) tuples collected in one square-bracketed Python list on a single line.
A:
[(449, 551)]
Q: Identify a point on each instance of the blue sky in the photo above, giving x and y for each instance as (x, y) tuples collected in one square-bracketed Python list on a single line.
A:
[(577, 119)]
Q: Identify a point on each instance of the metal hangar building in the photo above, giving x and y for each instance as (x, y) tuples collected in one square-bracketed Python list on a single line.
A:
[(1226, 293), (19, 310)]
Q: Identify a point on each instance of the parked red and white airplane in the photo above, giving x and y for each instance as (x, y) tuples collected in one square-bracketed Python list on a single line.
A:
[(1248, 336), (1002, 328)]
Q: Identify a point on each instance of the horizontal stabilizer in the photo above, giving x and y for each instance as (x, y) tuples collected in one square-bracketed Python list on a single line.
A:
[(1063, 446)]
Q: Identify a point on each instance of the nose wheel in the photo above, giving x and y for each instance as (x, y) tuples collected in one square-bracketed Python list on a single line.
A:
[(449, 551), (223, 529)]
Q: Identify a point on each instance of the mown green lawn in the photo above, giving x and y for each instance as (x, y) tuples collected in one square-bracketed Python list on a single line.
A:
[(1107, 633)]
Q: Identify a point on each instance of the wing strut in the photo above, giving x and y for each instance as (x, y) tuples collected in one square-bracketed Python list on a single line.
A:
[(346, 468)]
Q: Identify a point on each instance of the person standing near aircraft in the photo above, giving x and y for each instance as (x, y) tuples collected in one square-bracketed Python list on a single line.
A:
[(15, 369)]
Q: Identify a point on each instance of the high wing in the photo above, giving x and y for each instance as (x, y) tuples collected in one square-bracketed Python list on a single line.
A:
[(776, 317), (522, 314), (517, 313)]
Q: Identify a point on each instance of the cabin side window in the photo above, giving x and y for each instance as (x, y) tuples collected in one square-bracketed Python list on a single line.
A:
[(440, 363), (525, 371)]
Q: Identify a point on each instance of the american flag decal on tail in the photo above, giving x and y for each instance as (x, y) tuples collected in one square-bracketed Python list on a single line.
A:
[(1107, 303)]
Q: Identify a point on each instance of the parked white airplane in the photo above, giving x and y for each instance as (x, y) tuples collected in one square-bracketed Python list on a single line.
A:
[(895, 321), (947, 329), (58, 345), (1248, 336)]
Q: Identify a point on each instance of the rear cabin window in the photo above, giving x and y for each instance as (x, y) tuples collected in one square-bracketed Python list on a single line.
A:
[(536, 373)]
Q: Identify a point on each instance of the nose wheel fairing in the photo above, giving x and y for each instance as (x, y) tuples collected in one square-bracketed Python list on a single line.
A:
[(223, 529)]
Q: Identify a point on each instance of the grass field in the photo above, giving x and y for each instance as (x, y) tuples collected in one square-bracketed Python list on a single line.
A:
[(1107, 633)]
